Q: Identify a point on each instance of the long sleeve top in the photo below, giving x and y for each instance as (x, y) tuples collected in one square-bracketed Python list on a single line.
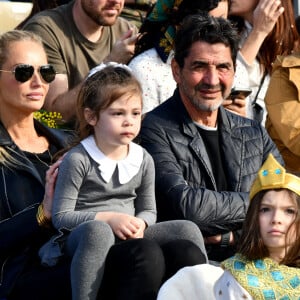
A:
[(88, 182)]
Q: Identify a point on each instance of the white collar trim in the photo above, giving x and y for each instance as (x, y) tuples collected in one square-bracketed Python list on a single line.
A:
[(127, 167)]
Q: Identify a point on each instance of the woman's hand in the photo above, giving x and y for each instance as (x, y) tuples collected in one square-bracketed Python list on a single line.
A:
[(51, 176), (266, 15), (264, 18)]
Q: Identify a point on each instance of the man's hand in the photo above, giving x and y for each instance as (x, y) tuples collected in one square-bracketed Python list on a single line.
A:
[(216, 239), (123, 49), (237, 106)]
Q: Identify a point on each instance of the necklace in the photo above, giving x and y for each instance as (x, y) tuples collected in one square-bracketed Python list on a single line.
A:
[(45, 158)]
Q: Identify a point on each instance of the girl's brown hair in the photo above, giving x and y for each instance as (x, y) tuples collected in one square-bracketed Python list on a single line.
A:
[(100, 90)]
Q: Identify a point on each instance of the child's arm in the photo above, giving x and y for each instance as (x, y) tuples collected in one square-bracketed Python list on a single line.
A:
[(71, 174), (145, 205)]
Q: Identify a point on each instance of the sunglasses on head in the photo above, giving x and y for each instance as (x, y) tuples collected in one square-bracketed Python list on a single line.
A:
[(24, 72)]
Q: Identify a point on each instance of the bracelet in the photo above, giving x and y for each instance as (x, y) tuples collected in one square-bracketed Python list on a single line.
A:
[(42, 220)]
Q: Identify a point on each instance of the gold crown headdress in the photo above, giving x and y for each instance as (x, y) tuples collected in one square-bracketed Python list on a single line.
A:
[(272, 175)]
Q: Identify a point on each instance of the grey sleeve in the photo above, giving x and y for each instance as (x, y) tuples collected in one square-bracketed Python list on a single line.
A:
[(145, 205), (70, 178)]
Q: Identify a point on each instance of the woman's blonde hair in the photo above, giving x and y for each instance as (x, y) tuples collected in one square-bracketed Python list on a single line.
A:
[(15, 36)]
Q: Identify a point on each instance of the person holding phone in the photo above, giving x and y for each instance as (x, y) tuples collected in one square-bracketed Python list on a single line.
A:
[(267, 29), (236, 101)]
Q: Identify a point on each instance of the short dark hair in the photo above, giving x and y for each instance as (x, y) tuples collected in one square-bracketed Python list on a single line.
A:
[(203, 27)]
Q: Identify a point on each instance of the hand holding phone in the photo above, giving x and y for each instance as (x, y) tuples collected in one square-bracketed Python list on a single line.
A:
[(240, 93)]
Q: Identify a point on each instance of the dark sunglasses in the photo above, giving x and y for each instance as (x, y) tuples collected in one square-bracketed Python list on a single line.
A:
[(24, 72)]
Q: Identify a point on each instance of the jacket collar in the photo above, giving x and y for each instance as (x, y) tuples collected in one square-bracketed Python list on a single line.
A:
[(5, 139), (54, 136)]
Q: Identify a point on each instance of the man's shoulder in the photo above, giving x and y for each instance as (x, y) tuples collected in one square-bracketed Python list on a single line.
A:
[(165, 112)]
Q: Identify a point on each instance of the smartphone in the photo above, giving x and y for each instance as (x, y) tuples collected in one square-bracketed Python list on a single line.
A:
[(240, 93)]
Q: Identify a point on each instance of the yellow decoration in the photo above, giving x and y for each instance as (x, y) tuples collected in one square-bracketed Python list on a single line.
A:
[(272, 175), (48, 118), (265, 279)]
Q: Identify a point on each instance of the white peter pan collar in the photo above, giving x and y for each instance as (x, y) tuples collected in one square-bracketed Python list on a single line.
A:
[(127, 167)]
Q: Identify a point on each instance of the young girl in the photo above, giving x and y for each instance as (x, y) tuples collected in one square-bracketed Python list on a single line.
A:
[(268, 260), (105, 187)]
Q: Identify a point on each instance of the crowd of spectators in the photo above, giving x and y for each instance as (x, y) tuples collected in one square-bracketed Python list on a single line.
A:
[(159, 74)]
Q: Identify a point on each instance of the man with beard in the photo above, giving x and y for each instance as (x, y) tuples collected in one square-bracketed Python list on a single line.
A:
[(78, 36), (206, 157)]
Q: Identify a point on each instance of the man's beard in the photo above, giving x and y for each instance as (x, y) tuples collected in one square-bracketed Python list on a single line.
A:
[(98, 18), (204, 106)]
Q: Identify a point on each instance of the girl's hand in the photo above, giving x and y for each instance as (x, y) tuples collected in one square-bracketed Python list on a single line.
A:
[(140, 232), (124, 226), (51, 176)]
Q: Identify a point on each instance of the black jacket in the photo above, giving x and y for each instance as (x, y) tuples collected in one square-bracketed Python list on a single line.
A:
[(185, 184), (21, 191)]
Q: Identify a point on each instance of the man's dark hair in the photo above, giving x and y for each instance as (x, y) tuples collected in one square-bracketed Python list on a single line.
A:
[(205, 28)]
